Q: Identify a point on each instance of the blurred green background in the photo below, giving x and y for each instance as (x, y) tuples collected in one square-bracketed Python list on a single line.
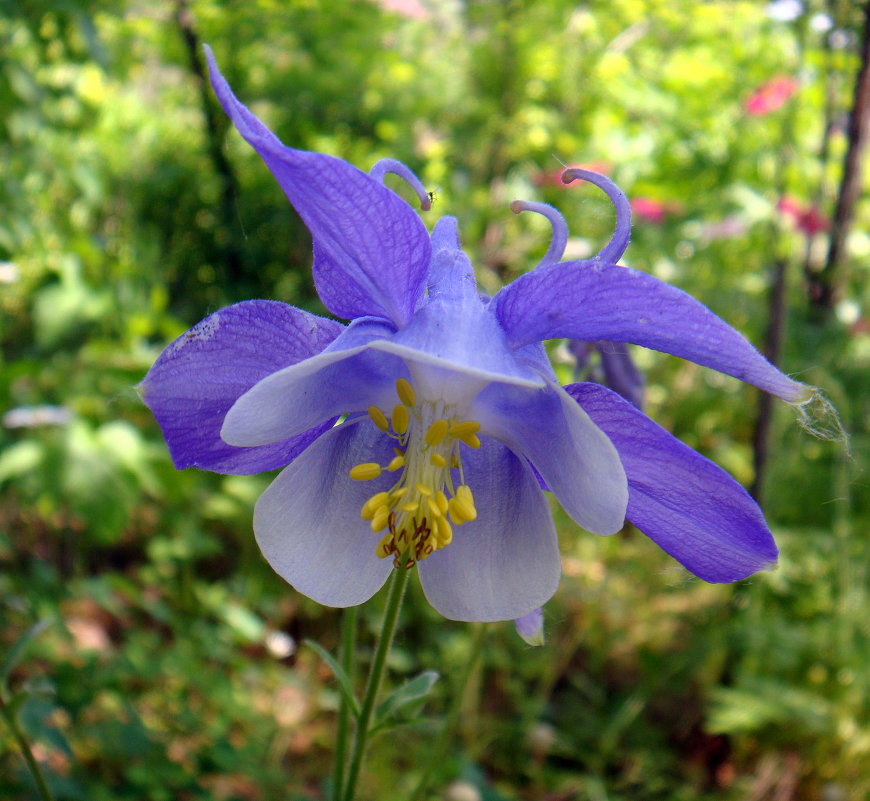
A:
[(171, 667)]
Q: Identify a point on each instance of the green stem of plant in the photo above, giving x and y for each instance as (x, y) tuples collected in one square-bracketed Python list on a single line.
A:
[(349, 626), (451, 721), (32, 764), (398, 582)]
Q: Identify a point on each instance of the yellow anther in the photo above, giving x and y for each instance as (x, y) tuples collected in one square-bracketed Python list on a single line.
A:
[(464, 491), (432, 503), (441, 500), (437, 431), (437, 460), (365, 471), (401, 418), (372, 504), (406, 392), (472, 440), (410, 507), (379, 418), (398, 493), (443, 532), (459, 512), (423, 489), (463, 428), (382, 515), (396, 463)]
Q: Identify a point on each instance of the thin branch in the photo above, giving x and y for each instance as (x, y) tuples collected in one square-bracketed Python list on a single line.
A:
[(825, 287), (229, 193)]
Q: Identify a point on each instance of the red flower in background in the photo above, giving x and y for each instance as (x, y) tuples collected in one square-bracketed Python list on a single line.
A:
[(807, 219), (771, 95)]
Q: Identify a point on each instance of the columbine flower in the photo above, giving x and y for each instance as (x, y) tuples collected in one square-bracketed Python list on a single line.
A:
[(423, 432)]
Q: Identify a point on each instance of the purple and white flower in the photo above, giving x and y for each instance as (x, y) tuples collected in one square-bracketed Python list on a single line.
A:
[(424, 431)]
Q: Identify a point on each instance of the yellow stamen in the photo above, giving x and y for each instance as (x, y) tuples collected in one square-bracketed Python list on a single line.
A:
[(464, 427), (365, 471), (472, 440), (401, 418), (423, 489), (441, 500), (432, 503), (410, 507), (369, 508), (396, 463), (406, 392), (380, 519), (437, 460), (444, 533), (456, 515), (379, 418), (437, 431), (398, 493)]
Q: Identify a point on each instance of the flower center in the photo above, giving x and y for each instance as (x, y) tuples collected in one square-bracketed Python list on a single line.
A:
[(421, 508)]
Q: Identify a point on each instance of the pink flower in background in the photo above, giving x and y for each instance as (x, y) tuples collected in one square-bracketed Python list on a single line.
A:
[(807, 219), (648, 209), (654, 211), (771, 95), (407, 8)]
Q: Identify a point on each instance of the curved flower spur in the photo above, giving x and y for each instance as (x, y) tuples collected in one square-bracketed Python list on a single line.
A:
[(452, 420)]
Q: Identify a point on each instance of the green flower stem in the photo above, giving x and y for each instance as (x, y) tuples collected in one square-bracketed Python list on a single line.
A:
[(448, 728), (35, 770), (398, 582), (349, 626)]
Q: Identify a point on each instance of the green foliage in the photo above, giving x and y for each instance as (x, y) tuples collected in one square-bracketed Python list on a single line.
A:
[(129, 211)]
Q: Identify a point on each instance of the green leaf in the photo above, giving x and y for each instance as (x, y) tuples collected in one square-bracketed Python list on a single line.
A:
[(344, 681), (14, 653), (409, 694)]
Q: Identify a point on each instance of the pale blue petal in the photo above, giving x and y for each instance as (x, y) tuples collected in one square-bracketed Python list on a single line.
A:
[(308, 524), (506, 563), (573, 456)]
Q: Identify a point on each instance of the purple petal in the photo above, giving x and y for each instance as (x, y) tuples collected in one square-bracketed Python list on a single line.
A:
[(593, 301), (308, 525), (506, 563), (371, 250), (686, 504), (573, 456), (620, 372), (445, 235), (531, 627), (200, 376)]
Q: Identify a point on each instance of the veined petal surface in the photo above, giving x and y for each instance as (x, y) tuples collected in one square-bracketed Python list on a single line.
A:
[(574, 456), (506, 563), (593, 301), (201, 374), (683, 502), (371, 249), (308, 525)]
